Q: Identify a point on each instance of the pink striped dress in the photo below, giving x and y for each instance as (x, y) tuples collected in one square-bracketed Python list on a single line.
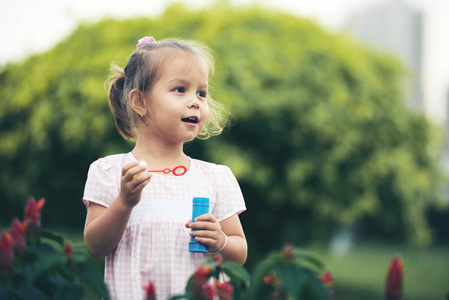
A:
[(154, 246)]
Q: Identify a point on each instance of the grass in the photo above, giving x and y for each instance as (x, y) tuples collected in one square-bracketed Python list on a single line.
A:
[(360, 273)]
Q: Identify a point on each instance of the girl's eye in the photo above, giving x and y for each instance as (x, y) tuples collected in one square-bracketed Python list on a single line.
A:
[(201, 94), (180, 90)]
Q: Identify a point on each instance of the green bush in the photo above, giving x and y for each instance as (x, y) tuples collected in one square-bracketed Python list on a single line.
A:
[(320, 135)]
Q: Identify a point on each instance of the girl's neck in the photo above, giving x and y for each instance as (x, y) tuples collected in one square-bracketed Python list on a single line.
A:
[(159, 155)]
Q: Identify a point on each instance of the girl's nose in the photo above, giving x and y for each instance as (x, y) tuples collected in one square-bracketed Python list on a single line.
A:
[(194, 103)]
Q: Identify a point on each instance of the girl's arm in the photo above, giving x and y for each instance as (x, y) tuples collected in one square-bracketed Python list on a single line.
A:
[(236, 248), (104, 227), (209, 233)]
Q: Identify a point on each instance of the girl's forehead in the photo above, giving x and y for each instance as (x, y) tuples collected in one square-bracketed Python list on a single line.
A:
[(182, 63)]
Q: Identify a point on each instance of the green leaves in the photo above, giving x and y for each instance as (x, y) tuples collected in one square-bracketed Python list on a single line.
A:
[(238, 275), (297, 279), (46, 266), (53, 236), (288, 274)]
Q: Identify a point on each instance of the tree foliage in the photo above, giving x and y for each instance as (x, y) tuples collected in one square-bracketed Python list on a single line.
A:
[(320, 134)]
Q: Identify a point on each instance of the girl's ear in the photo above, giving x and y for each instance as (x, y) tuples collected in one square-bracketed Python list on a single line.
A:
[(137, 102)]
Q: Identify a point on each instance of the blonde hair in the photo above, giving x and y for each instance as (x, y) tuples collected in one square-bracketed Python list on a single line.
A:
[(142, 70)]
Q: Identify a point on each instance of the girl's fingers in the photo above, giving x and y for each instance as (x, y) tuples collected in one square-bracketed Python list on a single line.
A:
[(206, 222), (205, 237), (187, 225), (206, 234), (206, 226), (132, 169), (145, 181), (141, 169), (208, 230), (205, 241), (206, 218), (205, 229), (128, 166)]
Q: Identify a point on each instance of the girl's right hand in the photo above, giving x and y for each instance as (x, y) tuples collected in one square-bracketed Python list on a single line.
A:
[(133, 180)]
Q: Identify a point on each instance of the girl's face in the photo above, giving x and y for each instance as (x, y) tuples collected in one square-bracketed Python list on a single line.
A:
[(178, 107)]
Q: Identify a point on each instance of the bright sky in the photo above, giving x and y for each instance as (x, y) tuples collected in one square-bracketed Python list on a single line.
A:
[(33, 26)]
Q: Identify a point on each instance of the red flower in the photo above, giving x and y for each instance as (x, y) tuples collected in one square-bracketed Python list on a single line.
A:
[(225, 290), (202, 273), (393, 288), (68, 250), (151, 291), (200, 277), (33, 213), (18, 231), (327, 279), (6, 253), (209, 291)]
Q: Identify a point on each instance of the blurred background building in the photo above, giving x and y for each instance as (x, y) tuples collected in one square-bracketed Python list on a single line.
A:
[(396, 27)]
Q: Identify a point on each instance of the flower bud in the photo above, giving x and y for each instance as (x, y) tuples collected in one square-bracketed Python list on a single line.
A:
[(33, 213), (18, 231), (6, 254), (393, 287)]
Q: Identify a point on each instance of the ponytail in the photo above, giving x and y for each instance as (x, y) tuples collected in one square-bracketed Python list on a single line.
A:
[(118, 103)]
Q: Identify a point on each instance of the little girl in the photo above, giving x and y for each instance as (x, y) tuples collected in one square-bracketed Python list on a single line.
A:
[(138, 211)]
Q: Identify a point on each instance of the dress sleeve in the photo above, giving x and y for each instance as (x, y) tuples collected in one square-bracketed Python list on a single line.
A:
[(229, 196), (102, 184)]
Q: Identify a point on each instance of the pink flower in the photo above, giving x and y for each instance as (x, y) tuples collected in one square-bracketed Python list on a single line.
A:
[(33, 213), (327, 279), (18, 231), (6, 253), (145, 40), (393, 287), (151, 291), (225, 290)]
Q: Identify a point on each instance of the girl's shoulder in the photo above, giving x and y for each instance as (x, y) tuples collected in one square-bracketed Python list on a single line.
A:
[(114, 161), (115, 158), (210, 168)]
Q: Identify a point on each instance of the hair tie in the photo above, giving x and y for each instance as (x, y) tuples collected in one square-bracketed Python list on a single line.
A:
[(145, 40)]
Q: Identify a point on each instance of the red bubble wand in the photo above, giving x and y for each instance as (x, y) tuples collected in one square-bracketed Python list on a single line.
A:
[(177, 171)]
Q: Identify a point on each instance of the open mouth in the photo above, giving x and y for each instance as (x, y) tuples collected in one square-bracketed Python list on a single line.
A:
[(193, 120)]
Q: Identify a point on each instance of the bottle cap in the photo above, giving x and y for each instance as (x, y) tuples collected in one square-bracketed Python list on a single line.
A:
[(201, 201)]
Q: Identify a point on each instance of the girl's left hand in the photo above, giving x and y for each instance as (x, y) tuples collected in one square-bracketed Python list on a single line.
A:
[(208, 231)]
